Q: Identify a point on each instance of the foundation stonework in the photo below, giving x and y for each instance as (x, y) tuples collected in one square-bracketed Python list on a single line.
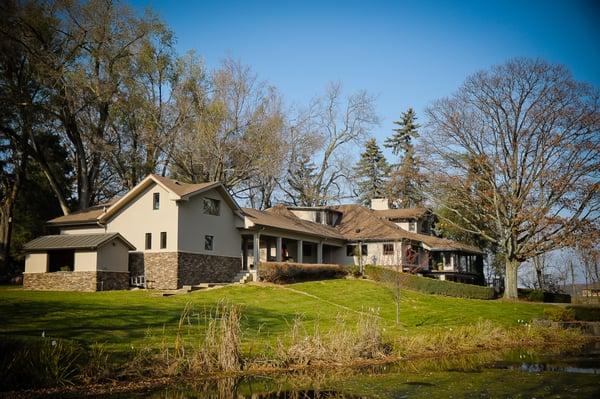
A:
[(76, 281), (173, 270)]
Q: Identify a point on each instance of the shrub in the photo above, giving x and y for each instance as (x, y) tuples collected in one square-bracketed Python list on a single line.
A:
[(557, 313), (543, 296), (585, 312), (430, 285), (287, 272), (354, 270)]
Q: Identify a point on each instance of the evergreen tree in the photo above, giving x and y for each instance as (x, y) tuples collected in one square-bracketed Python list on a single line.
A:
[(373, 173), (406, 179), (301, 180)]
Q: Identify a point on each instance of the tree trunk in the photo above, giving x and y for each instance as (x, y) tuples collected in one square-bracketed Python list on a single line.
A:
[(510, 279)]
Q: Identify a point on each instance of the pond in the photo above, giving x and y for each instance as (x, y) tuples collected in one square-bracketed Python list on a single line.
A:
[(517, 374)]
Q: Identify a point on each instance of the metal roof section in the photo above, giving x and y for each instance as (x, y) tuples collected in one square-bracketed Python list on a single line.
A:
[(74, 241)]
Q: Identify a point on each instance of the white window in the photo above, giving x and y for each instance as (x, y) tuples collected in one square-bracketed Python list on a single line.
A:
[(388, 249), (412, 225)]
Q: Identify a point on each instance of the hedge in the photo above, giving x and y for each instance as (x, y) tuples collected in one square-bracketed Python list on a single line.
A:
[(430, 285), (288, 272), (530, 295), (585, 312)]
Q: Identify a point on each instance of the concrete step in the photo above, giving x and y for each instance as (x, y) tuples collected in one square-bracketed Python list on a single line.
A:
[(242, 277)]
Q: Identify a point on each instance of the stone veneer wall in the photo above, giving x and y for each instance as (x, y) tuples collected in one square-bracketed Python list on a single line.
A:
[(200, 268), (76, 281), (108, 281), (173, 270), (160, 269)]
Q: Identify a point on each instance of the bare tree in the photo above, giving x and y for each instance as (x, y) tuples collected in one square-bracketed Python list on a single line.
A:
[(234, 131), (337, 122), (533, 133)]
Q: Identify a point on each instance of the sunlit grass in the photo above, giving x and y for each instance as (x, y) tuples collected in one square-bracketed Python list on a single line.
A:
[(122, 319)]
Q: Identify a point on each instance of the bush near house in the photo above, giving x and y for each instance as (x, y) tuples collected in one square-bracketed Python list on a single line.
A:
[(543, 296), (287, 272), (430, 285)]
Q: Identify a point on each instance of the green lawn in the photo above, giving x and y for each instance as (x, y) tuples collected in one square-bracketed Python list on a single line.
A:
[(120, 319)]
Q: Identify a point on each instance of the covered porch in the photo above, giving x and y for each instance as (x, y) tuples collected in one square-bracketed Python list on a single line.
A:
[(278, 247), (459, 266)]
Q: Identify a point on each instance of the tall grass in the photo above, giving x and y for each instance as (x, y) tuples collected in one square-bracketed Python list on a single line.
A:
[(209, 345), (483, 335), (344, 343), (37, 364)]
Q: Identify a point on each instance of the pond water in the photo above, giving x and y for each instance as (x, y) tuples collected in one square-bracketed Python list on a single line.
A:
[(518, 374)]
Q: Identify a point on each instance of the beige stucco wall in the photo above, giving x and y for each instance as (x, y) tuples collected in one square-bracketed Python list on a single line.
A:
[(374, 255), (138, 218), (305, 215), (36, 262), (194, 225), (82, 230), (85, 261), (113, 256)]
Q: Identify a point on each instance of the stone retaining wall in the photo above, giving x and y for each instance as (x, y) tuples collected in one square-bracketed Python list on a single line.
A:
[(76, 281)]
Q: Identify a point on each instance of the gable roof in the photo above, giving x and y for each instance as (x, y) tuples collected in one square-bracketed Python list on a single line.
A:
[(74, 241), (402, 213), (181, 191), (281, 218)]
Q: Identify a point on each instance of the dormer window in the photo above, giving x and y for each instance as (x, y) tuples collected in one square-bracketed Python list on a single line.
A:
[(318, 217), (412, 226), (156, 201)]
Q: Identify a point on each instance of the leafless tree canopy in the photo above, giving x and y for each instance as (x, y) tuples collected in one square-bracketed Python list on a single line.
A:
[(518, 148), (319, 172)]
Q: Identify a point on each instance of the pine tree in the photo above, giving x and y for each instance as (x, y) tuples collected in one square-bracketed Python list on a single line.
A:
[(406, 178), (401, 140), (301, 180), (373, 173)]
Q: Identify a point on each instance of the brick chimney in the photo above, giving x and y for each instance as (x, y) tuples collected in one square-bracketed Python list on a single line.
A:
[(380, 204)]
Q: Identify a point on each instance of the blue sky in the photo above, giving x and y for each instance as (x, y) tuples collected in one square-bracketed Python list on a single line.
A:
[(406, 53)]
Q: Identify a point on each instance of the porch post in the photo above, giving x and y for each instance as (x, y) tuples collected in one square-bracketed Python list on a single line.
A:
[(256, 250), (320, 252), (278, 249), (299, 256), (452, 261)]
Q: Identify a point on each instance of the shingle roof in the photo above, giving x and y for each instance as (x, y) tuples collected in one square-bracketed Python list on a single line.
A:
[(180, 188), (281, 218), (73, 241), (403, 213), (89, 215), (360, 223)]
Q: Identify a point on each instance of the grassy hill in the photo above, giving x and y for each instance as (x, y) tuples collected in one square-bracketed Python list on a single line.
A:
[(122, 319)]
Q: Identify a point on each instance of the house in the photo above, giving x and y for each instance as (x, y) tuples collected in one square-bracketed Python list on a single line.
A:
[(178, 234)]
